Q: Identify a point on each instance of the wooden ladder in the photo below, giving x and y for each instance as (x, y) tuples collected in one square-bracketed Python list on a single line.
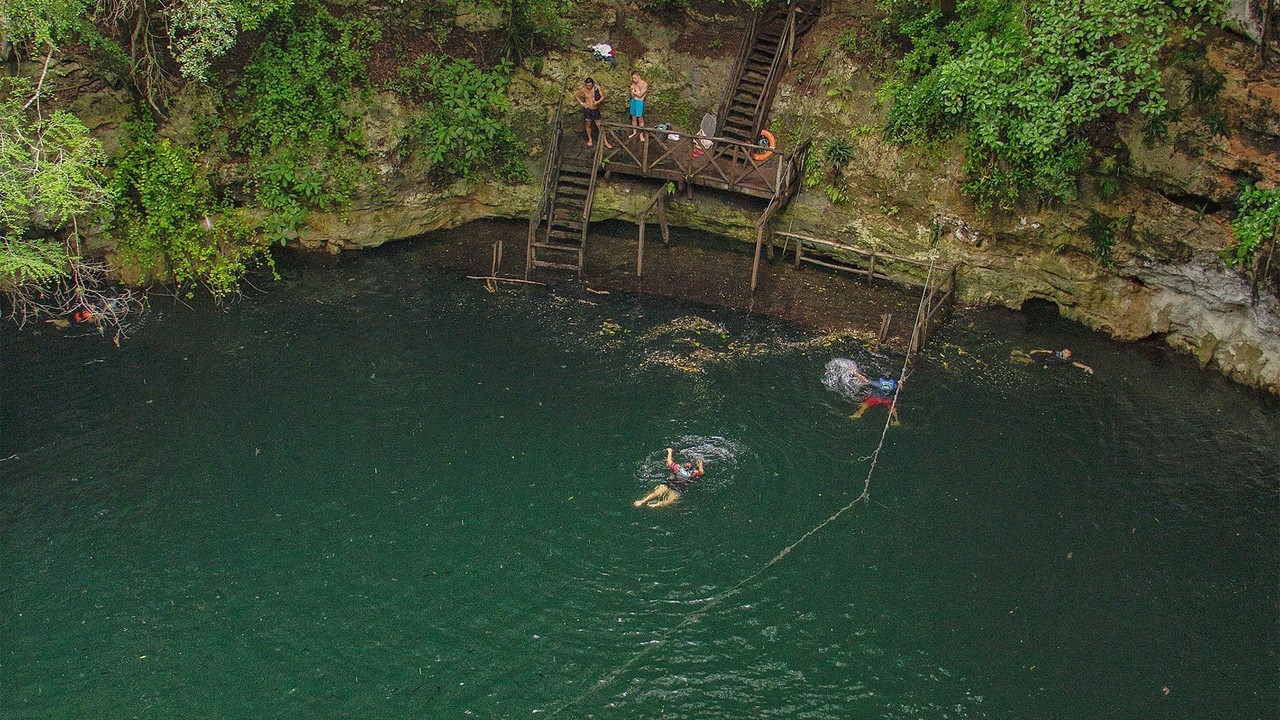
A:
[(562, 243), (763, 57), (558, 227)]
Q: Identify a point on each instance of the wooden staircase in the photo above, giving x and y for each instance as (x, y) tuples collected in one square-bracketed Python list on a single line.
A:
[(562, 235), (558, 226), (766, 50)]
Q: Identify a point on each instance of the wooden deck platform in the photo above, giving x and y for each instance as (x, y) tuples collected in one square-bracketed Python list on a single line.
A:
[(679, 157)]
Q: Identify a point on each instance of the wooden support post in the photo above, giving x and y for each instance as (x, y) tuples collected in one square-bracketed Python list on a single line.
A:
[(799, 250), (755, 264), (640, 249), (662, 221), (791, 39), (884, 329), (871, 268)]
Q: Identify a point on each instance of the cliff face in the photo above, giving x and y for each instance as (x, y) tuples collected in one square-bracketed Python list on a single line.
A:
[(1168, 207)]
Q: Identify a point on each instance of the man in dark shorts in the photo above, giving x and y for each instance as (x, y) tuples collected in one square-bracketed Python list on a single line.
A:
[(669, 492), (1055, 358), (589, 96)]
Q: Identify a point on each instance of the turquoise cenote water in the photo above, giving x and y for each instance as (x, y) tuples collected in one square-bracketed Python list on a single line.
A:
[(378, 491)]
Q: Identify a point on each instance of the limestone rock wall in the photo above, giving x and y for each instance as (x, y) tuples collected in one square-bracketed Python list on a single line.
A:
[(1172, 208)]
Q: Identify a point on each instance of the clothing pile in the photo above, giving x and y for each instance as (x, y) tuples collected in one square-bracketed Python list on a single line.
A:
[(604, 51)]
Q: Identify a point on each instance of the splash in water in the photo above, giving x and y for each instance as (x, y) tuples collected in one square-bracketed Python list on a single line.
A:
[(720, 455), (843, 376)]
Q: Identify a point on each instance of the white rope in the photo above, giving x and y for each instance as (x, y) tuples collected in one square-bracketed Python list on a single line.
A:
[(717, 599)]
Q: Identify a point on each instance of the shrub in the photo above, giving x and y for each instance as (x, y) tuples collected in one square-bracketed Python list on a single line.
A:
[(1257, 222), (302, 122), (462, 128), (1023, 81), (165, 207)]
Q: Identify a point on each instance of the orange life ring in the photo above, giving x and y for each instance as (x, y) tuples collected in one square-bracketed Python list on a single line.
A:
[(765, 153)]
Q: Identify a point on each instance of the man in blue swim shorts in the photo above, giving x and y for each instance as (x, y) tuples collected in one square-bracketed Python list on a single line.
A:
[(639, 88)]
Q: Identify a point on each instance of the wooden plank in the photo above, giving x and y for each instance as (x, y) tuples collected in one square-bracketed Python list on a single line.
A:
[(855, 250), (849, 269)]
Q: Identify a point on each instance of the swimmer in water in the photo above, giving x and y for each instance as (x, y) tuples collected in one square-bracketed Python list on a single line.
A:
[(1054, 358), (668, 492), (882, 393)]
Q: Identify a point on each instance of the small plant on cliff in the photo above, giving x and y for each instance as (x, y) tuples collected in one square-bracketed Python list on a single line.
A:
[(166, 208), (1102, 231), (1256, 228), (532, 25)]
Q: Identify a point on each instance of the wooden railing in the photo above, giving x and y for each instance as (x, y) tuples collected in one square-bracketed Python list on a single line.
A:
[(939, 293), (542, 211), (937, 304), (716, 162), (782, 58), (739, 62), (659, 201), (788, 187)]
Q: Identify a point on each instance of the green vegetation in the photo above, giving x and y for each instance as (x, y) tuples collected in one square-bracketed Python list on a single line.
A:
[(203, 30), (825, 168), (51, 178), (43, 23), (1102, 231), (1257, 224), (532, 25), (462, 128), (1025, 82), (166, 207), (302, 124)]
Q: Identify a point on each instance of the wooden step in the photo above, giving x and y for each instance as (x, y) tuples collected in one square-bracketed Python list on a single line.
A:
[(558, 247), (554, 265), (575, 236)]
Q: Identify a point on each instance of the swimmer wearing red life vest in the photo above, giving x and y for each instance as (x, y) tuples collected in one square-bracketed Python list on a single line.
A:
[(668, 492), (882, 393)]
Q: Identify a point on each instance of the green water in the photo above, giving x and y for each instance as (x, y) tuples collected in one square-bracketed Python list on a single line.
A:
[(381, 492)]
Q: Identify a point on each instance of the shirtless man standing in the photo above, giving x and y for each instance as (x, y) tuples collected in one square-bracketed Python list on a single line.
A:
[(589, 96), (639, 88)]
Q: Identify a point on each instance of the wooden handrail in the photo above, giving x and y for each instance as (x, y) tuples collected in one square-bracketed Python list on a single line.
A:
[(739, 62), (854, 250), (780, 58), (727, 163), (543, 209)]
